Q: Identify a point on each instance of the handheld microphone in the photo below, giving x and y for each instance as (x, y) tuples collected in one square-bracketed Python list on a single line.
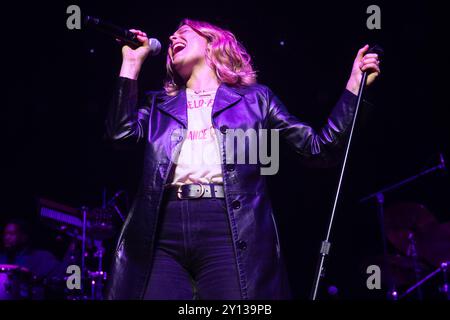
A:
[(126, 36), (376, 49)]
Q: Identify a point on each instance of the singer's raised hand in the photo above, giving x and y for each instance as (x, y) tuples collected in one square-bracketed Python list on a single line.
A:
[(132, 59), (363, 62)]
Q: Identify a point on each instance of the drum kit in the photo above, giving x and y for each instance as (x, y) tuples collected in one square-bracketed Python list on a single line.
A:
[(421, 244), (19, 283), (87, 230)]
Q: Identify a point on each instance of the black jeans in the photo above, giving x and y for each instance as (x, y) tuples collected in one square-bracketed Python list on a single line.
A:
[(194, 256)]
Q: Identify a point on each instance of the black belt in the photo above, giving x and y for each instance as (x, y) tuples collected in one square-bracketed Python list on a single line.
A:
[(195, 191)]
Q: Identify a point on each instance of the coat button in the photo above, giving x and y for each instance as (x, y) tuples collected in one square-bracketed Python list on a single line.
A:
[(236, 204), (230, 167), (223, 129), (241, 245)]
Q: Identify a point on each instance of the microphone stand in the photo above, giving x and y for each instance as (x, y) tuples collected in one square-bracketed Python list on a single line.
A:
[(325, 246)]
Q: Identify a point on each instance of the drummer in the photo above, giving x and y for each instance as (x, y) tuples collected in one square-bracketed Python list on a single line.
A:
[(17, 251)]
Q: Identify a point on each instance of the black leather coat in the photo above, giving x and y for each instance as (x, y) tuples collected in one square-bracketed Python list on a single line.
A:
[(157, 124)]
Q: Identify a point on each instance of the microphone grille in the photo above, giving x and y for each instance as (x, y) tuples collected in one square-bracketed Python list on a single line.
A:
[(155, 46)]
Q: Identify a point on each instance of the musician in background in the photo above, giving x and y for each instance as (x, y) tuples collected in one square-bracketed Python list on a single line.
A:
[(18, 251)]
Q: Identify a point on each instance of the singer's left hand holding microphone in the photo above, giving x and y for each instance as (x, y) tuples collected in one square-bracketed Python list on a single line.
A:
[(363, 62), (132, 59)]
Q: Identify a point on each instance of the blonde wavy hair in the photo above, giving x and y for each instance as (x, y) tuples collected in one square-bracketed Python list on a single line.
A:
[(226, 56)]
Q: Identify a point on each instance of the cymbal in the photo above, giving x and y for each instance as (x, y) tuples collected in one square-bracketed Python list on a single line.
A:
[(404, 218), (433, 244), (406, 221), (101, 226), (13, 267)]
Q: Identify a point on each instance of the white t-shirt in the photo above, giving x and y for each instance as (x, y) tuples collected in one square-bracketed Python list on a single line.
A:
[(199, 159)]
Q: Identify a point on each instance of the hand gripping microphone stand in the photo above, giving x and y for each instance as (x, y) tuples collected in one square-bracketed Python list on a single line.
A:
[(325, 246)]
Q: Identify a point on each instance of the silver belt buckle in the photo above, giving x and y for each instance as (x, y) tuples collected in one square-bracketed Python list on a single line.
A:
[(202, 192)]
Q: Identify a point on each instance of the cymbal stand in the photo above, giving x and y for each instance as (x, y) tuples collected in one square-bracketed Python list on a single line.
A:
[(83, 250), (99, 276), (444, 288), (412, 252), (392, 293)]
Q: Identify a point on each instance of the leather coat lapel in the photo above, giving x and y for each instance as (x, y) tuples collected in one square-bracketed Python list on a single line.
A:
[(176, 106), (226, 97)]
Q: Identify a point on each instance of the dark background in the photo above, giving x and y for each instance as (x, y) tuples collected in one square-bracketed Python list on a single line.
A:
[(58, 83)]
